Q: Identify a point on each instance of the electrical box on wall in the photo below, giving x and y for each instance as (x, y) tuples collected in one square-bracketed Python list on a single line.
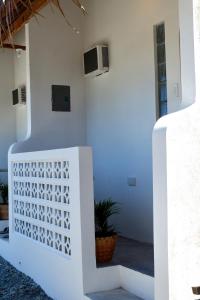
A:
[(19, 96), (96, 61), (61, 98)]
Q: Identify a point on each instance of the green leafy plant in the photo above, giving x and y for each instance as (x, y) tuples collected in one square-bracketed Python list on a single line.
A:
[(103, 211), (4, 192)]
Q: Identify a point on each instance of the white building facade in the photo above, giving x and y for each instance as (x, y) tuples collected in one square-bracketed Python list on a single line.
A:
[(63, 160)]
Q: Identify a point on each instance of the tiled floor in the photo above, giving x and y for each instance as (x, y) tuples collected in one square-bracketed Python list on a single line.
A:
[(133, 255)]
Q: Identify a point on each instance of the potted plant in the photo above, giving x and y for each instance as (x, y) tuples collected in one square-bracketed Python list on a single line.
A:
[(105, 233), (4, 204)]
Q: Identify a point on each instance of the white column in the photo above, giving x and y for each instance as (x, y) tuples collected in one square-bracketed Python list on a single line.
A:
[(176, 168), (196, 16), (187, 52)]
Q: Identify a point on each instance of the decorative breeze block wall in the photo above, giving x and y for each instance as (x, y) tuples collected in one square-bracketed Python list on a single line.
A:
[(41, 202)]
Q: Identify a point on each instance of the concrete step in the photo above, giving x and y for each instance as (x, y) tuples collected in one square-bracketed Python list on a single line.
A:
[(118, 294)]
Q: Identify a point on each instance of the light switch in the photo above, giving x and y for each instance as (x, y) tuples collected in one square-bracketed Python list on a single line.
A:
[(131, 181), (176, 88)]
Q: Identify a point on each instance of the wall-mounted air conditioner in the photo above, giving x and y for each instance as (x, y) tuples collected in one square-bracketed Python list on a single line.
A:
[(96, 61), (19, 96)]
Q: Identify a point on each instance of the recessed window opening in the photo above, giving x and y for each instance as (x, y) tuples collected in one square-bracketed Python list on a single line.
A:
[(161, 75)]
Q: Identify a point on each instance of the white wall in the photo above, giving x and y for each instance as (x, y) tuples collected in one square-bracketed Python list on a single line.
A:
[(20, 79), (120, 105), (7, 113), (121, 109), (13, 121), (55, 54), (62, 275)]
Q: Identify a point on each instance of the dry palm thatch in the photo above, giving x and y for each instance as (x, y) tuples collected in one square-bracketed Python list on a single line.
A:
[(15, 13)]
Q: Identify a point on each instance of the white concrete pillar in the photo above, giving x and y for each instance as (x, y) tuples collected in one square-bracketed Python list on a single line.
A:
[(196, 17), (176, 166), (187, 52)]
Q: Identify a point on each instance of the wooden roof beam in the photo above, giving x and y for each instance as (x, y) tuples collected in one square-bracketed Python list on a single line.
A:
[(15, 46), (24, 18)]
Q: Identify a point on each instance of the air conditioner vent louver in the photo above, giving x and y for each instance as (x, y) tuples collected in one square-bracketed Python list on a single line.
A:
[(23, 95), (19, 96)]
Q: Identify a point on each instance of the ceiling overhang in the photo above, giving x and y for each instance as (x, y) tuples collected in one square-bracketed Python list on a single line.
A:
[(14, 14)]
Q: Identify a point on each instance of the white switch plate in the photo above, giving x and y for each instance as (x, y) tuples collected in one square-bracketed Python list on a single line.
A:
[(177, 91), (131, 181)]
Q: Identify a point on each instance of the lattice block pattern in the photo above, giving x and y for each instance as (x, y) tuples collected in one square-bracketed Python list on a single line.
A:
[(41, 169), (54, 216), (41, 202), (28, 230)]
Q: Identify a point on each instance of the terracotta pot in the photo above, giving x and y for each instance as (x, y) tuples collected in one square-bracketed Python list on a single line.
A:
[(3, 211), (105, 247)]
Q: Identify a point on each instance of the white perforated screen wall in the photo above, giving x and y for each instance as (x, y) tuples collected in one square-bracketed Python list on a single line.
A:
[(41, 202)]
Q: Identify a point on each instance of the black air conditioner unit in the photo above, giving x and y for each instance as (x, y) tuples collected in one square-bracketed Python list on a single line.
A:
[(96, 61)]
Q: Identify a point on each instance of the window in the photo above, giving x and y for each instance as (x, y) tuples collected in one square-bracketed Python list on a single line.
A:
[(161, 76)]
